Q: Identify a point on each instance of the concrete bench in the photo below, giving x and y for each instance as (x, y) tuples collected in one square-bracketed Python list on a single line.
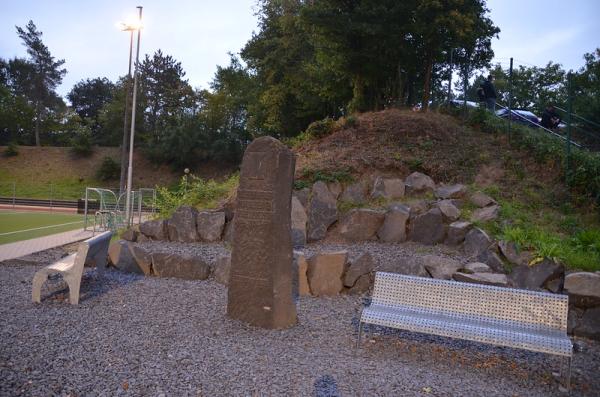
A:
[(521, 319), (71, 267)]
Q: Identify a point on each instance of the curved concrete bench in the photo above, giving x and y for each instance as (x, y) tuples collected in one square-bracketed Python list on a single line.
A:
[(521, 319), (71, 267)]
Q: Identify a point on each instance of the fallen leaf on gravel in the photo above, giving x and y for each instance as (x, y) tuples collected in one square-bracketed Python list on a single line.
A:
[(426, 390), (125, 385)]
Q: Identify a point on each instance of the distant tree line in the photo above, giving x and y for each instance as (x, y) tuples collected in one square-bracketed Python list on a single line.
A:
[(309, 60)]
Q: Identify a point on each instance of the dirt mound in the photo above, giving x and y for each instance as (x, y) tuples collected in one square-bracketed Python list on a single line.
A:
[(399, 142)]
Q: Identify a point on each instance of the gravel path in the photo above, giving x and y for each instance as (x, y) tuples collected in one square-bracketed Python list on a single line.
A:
[(139, 336)]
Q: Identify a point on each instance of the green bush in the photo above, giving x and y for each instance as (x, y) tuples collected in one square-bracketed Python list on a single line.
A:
[(109, 170), (195, 192), (11, 150), (81, 143), (320, 128)]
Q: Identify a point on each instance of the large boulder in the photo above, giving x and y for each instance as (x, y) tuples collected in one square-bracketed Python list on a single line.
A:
[(302, 195), (448, 210), (359, 266), (299, 218), (410, 266), (142, 258), (182, 225), (388, 188), (583, 288), (509, 250), (497, 279), (228, 232), (129, 235), (485, 214), (393, 229), (335, 188), (325, 272), (180, 266), (481, 200), (428, 228), (451, 191), (210, 225), (457, 232), (537, 276), (361, 224), (440, 267), (476, 242), (419, 183), (301, 265), (121, 257), (222, 269), (362, 285), (491, 258), (355, 193), (476, 267), (155, 230), (589, 325), (322, 211)]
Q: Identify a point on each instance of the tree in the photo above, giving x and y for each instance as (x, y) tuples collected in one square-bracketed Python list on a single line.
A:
[(167, 95), (87, 98), (586, 84), (46, 75)]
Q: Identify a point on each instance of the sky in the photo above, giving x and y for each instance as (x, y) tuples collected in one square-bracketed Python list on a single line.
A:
[(201, 33)]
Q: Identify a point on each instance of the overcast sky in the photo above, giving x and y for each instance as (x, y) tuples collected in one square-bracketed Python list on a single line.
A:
[(200, 33)]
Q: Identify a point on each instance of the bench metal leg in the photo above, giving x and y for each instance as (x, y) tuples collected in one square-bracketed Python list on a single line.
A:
[(74, 283), (360, 324), (568, 374)]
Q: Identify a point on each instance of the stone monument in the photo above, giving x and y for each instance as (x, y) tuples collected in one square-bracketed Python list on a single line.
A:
[(260, 283)]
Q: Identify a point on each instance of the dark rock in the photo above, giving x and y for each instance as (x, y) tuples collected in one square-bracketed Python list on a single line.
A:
[(583, 289), (354, 194), (451, 191), (299, 219), (142, 258), (481, 200), (476, 242), (485, 214), (155, 230), (222, 269), (180, 266), (419, 183), (537, 276), (325, 272), (393, 229), (361, 224), (362, 285), (590, 324), (449, 211), (491, 258), (411, 266), (121, 257), (303, 195), (228, 233), (497, 279), (210, 225), (261, 278), (457, 232), (182, 225), (440, 267), (388, 189), (129, 235), (476, 267), (418, 207), (335, 188), (322, 211), (428, 228), (359, 266), (509, 250)]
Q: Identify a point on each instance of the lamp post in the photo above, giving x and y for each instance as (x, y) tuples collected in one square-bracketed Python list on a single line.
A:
[(127, 27), (132, 131)]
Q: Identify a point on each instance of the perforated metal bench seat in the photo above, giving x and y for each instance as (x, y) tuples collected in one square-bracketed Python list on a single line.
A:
[(529, 320), (469, 328)]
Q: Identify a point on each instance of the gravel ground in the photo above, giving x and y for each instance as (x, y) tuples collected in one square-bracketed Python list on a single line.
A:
[(132, 335)]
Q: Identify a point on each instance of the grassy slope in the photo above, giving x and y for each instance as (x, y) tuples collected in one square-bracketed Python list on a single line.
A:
[(22, 221), (537, 211)]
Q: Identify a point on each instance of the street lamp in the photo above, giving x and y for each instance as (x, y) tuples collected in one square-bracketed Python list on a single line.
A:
[(126, 27), (132, 131)]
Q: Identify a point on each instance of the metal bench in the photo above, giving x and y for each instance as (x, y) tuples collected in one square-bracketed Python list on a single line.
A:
[(529, 320), (71, 267)]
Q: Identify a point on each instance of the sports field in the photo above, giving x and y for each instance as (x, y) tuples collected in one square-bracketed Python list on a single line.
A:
[(17, 226)]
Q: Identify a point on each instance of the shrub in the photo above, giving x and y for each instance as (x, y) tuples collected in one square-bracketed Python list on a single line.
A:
[(194, 191), (321, 128), (109, 170), (11, 150), (81, 143)]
